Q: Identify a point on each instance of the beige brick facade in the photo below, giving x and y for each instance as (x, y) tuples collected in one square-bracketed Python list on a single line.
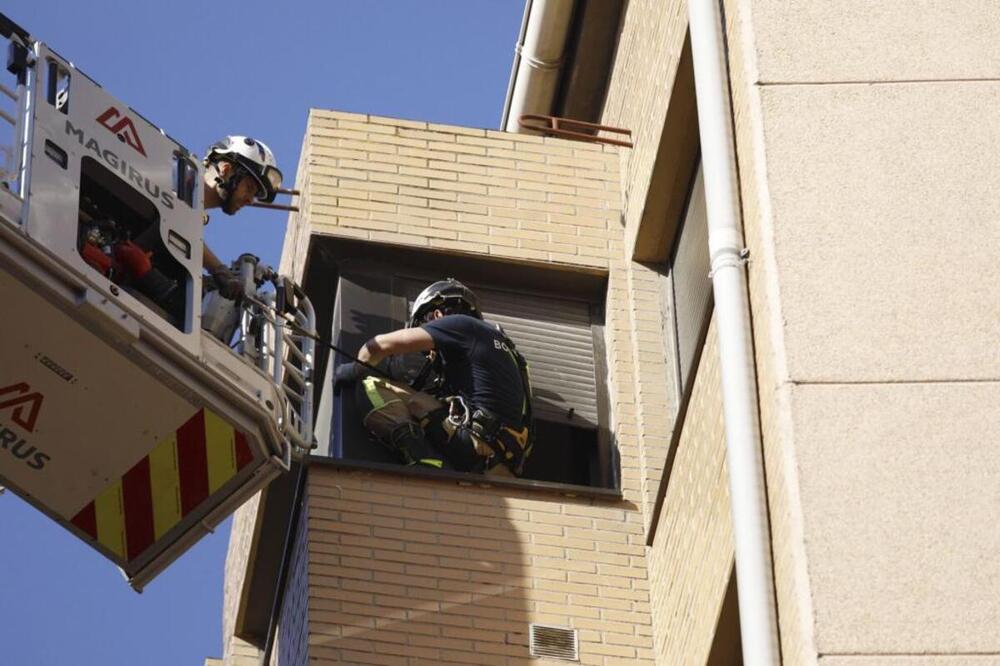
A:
[(544, 201), (692, 556), (237, 652), (692, 552), (406, 571), (649, 52), (415, 571), (639, 97), (421, 571), (561, 201), (456, 189)]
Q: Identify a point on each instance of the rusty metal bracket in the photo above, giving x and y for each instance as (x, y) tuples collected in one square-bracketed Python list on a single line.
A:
[(567, 128), (274, 206)]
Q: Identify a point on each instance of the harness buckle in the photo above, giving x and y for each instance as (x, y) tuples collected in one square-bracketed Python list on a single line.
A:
[(458, 411)]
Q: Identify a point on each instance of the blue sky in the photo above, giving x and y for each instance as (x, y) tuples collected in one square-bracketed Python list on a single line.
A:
[(202, 70)]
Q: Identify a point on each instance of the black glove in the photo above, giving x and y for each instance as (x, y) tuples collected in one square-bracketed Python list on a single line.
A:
[(229, 285), (347, 374)]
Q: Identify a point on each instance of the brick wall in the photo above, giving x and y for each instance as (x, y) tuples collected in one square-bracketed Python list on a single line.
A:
[(292, 642), (691, 557), (235, 651), (654, 378), (545, 201), (406, 571), (458, 189), (639, 91), (568, 562), (692, 554), (649, 50)]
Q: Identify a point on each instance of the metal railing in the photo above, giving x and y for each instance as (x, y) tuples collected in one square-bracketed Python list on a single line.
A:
[(568, 128), (277, 334), (20, 57)]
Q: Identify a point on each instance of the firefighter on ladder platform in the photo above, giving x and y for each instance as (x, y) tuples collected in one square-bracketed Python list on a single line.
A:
[(238, 170), (478, 418)]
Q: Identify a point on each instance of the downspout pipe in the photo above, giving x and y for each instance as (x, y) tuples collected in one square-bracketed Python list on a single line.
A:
[(538, 58), (748, 498)]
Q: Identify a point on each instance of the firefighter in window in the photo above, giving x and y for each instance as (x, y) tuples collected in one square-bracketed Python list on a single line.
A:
[(237, 170), (476, 416)]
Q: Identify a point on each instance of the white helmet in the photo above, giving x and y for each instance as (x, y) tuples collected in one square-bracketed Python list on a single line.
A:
[(254, 157)]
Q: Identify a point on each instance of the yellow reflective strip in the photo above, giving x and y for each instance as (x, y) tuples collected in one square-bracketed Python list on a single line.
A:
[(111, 519), (371, 390), (165, 483), (220, 443), (431, 462)]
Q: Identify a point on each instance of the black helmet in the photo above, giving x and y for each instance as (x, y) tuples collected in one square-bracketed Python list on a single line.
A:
[(448, 295)]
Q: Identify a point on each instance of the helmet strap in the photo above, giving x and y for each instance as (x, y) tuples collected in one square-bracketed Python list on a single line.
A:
[(226, 186)]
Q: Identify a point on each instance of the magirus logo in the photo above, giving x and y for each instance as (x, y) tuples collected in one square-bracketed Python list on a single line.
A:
[(123, 127), (24, 405)]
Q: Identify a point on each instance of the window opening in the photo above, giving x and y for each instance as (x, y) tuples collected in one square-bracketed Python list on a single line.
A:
[(688, 287), (691, 283), (56, 154), (555, 335), (118, 235)]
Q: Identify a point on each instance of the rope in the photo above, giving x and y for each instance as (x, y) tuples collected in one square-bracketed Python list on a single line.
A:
[(303, 332)]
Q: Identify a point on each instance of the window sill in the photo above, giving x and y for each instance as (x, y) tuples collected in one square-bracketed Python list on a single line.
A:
[(472, 480)]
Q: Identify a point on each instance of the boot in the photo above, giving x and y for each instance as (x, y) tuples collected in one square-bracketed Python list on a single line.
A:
[(407, 441)]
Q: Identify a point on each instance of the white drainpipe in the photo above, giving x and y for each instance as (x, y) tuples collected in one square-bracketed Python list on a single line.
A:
[(537, 60), (758, 617)]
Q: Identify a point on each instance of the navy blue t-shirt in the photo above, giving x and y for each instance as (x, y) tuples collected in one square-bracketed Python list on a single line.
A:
[(479, 365)]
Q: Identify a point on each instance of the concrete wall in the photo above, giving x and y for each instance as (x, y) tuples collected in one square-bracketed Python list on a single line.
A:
[(868, 156)]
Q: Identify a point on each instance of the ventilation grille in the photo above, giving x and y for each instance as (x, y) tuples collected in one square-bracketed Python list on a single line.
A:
[(555, 642)]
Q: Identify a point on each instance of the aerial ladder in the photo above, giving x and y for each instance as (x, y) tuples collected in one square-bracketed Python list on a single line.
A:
[(121, 417)]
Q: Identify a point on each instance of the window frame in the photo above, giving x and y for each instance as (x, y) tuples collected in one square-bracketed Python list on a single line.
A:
[(683, 382), (331, 257)]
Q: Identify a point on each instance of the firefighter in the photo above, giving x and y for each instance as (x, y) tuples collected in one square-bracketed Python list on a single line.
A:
[(238, 169), (479, 418)]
